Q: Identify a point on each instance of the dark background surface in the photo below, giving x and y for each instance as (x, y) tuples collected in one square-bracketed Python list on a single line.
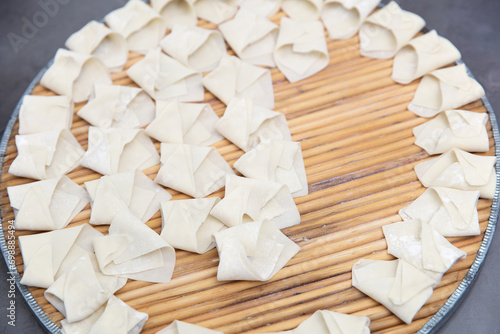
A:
[(472, 26)]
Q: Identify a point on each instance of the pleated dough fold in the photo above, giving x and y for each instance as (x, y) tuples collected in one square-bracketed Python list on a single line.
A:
[(451, 212), (195, 47), (343, 18), (74, 75), (461, 129), (254, 251), (251, 200), (116, 150), (387, 30), (278, 161), (164, 78), (118, 107), (139, 24), (193, 170), (180, 327), (397, 285), (98, 40), (45, 113), (133, 250), (215, 11), (301, 49), (444, 89), (252, 37), (132, 190), (302, 10), (246, 124), (459, 170), (237, 78), (176, 11), (45, 155), (46, 205), (265, 8), (188, 224), (184, 123)]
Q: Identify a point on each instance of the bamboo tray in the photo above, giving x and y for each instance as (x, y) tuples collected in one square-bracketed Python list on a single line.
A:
[(357, 142)]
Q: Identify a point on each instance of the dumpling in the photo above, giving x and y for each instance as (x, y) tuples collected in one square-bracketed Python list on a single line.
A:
[(45, 113), (265, 8), (215, 11), (302, 10), (180, 327), (301, 49), (175, 11), (254, 251)]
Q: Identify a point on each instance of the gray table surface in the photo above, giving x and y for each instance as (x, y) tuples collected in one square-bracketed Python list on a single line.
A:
[(473, 26)]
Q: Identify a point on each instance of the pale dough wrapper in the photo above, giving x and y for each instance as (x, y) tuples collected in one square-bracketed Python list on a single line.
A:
[(141, 26), (74, 75), (246, 124), (113, 317), (278, 161), (116, 150), (45, 155), (118, 107), (461, 129), (459, 170), (302, 10), (237, 78), (215, 11), (176, 11), (386, 31), (132, 190), (131, 249), (180, 327), (265, 8), (254, 251), (422, 55), (301, 49), (46, 205), (444, 89), (98, 40), (397, 285), (451, 212), (195, 47), (188, 225), (343, 18), (252, 37), (251, 200), (164, 78), (194, 170), (422, 246), (45, 113), (184, 123)]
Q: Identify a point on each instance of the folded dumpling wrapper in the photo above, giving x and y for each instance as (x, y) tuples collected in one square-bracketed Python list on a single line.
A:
[(180, 327), (45, 155), (254, 251), (387, 30), (184, 123), (98, 40), (252, 37), (195, 47), (459, 170), (188, 225), (461, 129), (278, 161), (139, 24), (451, 212), (251, 200), (45, 113), (265, 8), (117, 150), (422, 55), (176, 11), (74, 74), (302, 10), (164, 78), (343, 18), (131, 249), (132, 190), (118, 107), (46, 205), (113, 317), (215, 11), (196, 171), (237, 78), (422, 246), (444, 89), (301, 49), (396, 284), (246, 124)]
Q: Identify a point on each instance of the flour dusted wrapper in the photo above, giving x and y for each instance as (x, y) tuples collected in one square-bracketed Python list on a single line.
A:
[(175, 12), (215, 11), (265, 8), (180, 327), (302, 10), (45, 113)]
